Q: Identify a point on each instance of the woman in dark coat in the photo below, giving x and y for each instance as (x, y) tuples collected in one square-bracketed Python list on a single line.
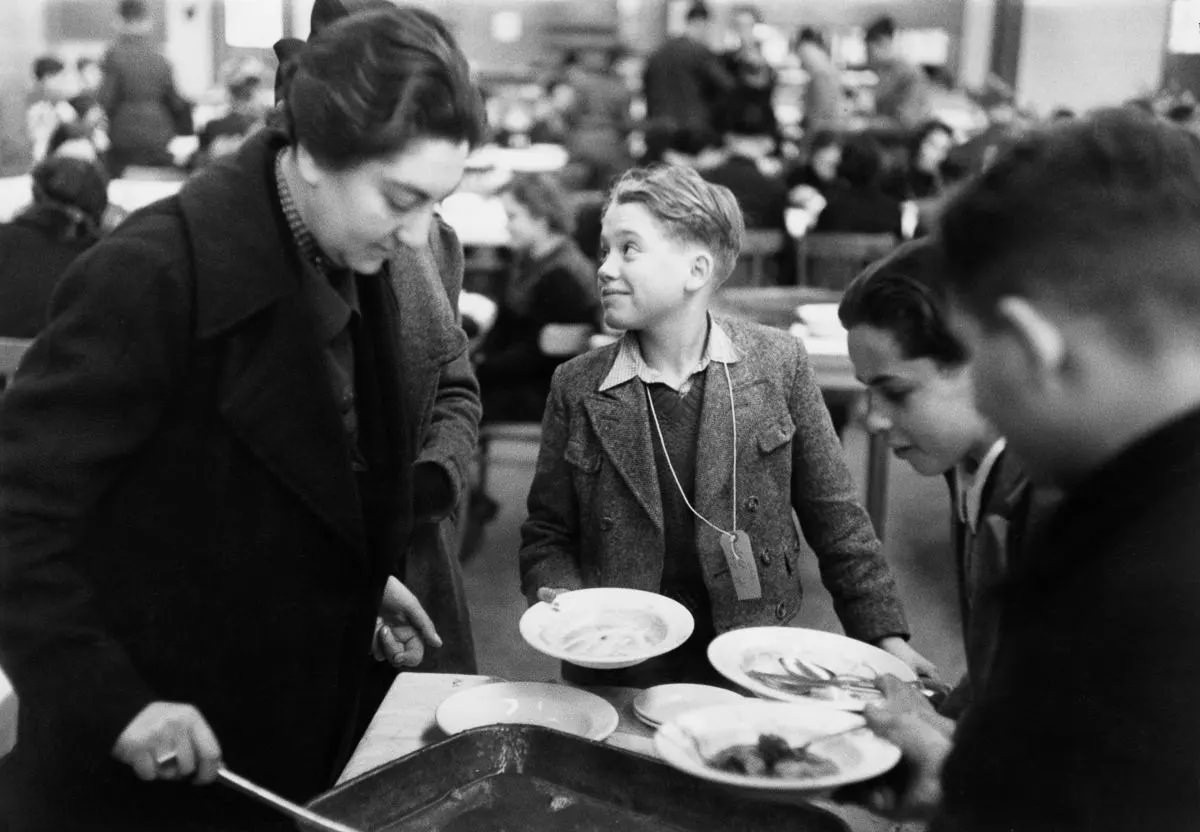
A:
[(69, 198), (247, 400)]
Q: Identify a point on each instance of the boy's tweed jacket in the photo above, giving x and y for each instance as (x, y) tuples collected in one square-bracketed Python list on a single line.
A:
[(595, 514)]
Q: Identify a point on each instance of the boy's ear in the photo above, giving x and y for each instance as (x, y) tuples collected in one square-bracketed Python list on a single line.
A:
[(1038, 337), (703, 271)]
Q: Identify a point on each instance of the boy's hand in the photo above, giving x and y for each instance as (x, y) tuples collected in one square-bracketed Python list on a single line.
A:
[(903, 651), (912, 790), (403, 629)]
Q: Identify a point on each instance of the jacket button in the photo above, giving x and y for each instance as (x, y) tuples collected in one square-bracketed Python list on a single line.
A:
[(781, 610), (606, 523), (765, 559), (751, 504)]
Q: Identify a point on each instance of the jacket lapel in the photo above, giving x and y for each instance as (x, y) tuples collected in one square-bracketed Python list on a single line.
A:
[(273, 388), (622, 424)]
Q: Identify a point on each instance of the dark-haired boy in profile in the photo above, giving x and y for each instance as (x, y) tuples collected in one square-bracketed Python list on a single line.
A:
[(918, 375), (1072, 267)]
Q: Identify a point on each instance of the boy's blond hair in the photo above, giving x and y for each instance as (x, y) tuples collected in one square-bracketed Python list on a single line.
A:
[(689, 209)]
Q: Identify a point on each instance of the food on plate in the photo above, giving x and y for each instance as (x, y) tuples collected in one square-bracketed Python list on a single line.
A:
[(607, 634), (772, 756)]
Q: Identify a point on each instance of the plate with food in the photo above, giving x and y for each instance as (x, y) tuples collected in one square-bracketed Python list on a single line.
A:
[(563, 708), (792, 664), (606, 628), (775, 749)]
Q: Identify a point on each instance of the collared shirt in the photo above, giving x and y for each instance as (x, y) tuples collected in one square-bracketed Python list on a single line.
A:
[(332, 294), (969, 500), (629, 363)]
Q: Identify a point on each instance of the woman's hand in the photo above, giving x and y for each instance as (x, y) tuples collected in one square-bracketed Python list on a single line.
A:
[(169, 741), (403, 628)]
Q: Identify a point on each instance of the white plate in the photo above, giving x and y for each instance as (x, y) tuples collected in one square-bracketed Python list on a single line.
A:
[(858, 756), (760, 648), (606, 628), (562, 708), (662, 703)]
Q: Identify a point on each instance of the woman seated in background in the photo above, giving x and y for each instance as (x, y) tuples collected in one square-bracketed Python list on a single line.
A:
[(858, 204), (820, 170), (552, 283), (69, 198), (922, 177)]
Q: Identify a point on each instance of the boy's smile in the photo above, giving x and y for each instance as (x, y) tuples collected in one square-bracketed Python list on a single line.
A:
[(643, 272)]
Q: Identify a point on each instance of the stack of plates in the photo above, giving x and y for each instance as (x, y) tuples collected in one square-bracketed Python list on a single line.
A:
[(663, 703)]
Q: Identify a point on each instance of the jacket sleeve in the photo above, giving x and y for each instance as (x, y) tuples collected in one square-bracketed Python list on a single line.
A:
[(89, 393), (449, 443), (549, 553), (834, 521)]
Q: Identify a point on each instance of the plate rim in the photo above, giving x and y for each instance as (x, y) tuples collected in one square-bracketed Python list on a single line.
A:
[(676, 755), (739, 677), (539, 611), (601, 729)]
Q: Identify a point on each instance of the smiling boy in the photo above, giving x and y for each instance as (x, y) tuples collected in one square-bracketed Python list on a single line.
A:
[(919, 379), (672, 460)]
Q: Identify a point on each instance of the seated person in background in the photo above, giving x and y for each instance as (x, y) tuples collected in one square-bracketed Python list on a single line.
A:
[(552, 283), (748, 171), (73, 140), (859, 204), (644, 439), (48, 105), (69, 197), (1071, 266), (223, 136), (921, 178), (820, 169), (918, 375)]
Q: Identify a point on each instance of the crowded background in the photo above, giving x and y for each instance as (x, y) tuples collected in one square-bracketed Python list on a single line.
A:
[(843, 128)]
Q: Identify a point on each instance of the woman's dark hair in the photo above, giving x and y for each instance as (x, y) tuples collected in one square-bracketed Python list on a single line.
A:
[(898, 295), (69, 196), (880, 29), (862, 162), (810, 35), (544, 199), (370, 83)]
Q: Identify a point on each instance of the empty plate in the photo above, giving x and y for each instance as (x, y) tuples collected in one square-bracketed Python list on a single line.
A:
[(663, 703), (562, 708)]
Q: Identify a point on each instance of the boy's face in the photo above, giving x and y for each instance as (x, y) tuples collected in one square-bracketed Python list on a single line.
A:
[(645, 276), (926, 408)]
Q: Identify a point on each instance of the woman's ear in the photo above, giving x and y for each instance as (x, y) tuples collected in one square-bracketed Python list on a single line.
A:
[(1039, 338)]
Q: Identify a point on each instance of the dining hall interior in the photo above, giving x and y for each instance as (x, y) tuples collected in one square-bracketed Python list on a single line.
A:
[(842, 128)]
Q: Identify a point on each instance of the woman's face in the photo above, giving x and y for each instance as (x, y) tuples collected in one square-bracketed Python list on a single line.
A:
[(361, 216), (524, 229)]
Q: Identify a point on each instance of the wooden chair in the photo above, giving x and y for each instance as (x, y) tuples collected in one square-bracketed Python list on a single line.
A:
[(757, 264), (831, 259)]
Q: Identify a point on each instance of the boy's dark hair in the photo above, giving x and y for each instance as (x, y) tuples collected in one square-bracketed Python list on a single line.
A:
[(132, 11), (881, 29), (46, 66), (862, 162), (1099, 215), (697, 11), (898, 294), (543, 198), (370, 83)]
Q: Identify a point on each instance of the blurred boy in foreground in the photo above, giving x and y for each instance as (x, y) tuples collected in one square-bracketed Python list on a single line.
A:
[(1072, 264)]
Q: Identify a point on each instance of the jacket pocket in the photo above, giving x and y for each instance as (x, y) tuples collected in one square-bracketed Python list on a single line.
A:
[(583, 457), (775, 436)]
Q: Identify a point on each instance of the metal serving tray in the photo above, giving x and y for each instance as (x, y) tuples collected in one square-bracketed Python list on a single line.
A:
[(522, 778)]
